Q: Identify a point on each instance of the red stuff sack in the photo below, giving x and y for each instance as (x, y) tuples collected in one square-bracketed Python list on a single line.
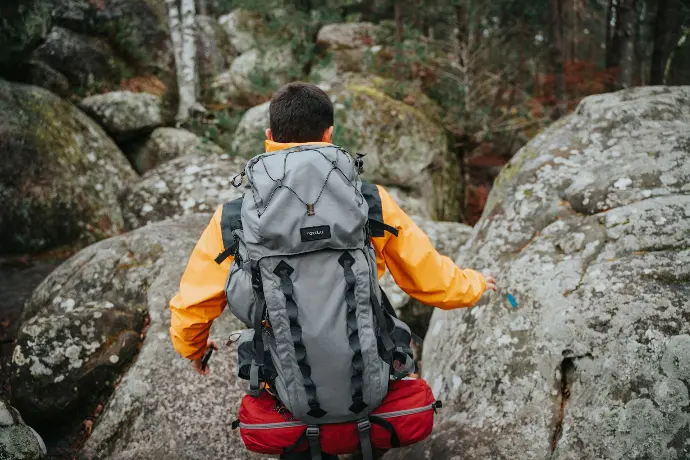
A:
[(405, 417)]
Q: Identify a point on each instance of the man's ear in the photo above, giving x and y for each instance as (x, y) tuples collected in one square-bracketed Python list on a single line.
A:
[(269, 134), (327, 135)]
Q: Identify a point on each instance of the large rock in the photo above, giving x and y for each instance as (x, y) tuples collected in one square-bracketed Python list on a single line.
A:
[(242, 28), (348, 44), (59, 175), (589, 228), (88, 63), (84, 324), (448, 238), (166, 144), (124, 114), (250, 135), (162, 408), (214, 53), (191, 184), (254, 76), (137, 29), (18, 441)]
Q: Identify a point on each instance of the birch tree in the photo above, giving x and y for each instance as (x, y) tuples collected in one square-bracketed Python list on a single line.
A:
[(181, 14)]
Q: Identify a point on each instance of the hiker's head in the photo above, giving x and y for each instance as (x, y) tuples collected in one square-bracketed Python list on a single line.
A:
[(300, 112)]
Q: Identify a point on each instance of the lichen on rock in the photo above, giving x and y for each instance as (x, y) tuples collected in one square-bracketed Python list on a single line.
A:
[(60, 173), (588, 229), (191, 184)]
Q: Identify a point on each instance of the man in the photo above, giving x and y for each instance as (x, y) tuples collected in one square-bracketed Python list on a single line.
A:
[(301, 113)]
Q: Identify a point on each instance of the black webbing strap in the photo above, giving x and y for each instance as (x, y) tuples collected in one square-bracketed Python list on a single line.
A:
[(385, 424), (378, 228), (391, 311), (364, 429), (256, 368), (284, 270), (313, 434), (384, 326), (230, 220), (357, 382), (301, 440)]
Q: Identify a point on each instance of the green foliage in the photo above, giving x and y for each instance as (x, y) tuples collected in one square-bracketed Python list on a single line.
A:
[(23, 25)]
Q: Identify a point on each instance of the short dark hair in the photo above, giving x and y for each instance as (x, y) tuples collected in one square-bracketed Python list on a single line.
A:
[(300, 112)]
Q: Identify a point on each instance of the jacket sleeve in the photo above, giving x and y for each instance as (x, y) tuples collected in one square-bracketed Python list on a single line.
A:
[(201, 297), (418, 268)]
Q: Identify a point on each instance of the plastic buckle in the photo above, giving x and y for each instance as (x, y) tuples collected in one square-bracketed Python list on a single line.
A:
[(313, 431), (364, 425)]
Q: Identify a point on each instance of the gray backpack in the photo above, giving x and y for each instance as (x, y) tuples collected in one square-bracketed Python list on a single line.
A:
[(304, 278)]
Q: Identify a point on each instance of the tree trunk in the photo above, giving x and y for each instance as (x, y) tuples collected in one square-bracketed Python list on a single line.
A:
[(681, 41), (610, 17), (557, 63), (629, 21), (622, 54), (181, 21), (203, 11), (660, 39)]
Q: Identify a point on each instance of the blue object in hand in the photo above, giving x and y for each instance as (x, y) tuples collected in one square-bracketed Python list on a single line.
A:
[(512, 300)]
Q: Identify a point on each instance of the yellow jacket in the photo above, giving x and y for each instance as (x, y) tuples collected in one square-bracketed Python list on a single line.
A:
[(416, 267)]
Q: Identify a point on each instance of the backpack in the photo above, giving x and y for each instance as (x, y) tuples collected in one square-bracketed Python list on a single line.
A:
[(322, 336)]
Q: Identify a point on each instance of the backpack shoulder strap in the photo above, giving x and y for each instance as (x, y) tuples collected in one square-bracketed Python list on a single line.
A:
[(230, 221), (377, 226)]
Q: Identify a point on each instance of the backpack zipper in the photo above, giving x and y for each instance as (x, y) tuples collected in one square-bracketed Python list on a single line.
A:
[(401, 413), (385, 415)]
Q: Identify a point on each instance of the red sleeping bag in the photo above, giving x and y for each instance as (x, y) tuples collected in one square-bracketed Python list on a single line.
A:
[(406, 416)]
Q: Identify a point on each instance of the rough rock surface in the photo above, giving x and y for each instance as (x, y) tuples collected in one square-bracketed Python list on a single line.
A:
[(214, 53), (589, 228), (86, 62), (348, 44), (447, 238), (124, 114), (190, 184), (60, 174), (242, 28), (18, 441), (166, 144), (253, 76), (162, 409), (137, 29), (249, 137)]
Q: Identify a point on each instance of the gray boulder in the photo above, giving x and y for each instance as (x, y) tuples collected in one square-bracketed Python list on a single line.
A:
[(166, 144), (254, 76), (190, 184), (18, 441), (242, 28), (59, 175), (161, 408), (87, 62), (124, 114), (348, 44), (588, 228), (214, 52), (137, 30), (84, 324), (250, 135)]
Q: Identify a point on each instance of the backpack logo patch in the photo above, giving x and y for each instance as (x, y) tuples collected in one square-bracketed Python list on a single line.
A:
[(322, 232)]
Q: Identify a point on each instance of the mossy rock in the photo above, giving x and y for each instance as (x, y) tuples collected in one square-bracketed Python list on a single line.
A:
[(60, 173)]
